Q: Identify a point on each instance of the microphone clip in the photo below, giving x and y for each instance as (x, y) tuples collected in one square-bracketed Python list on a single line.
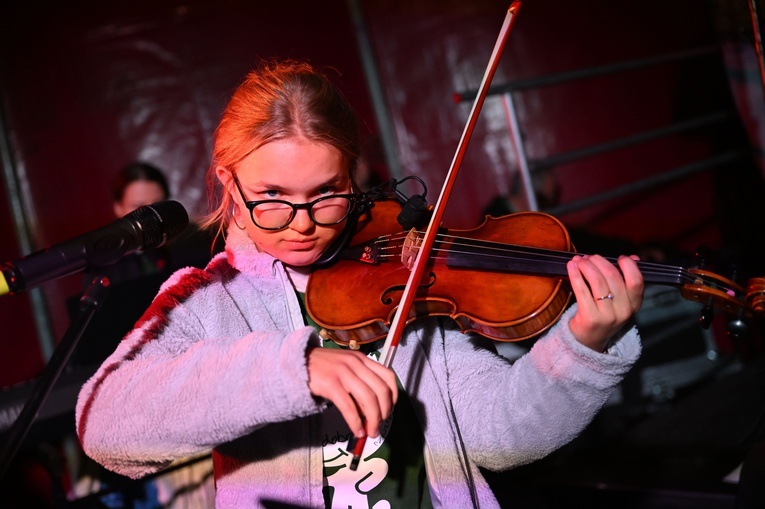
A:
[(415, 211)]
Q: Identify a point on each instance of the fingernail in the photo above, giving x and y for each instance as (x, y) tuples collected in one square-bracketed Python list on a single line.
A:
[(360, 433)]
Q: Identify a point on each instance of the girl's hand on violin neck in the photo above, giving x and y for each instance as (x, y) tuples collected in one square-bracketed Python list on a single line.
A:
[(362, 389), (606, 297)]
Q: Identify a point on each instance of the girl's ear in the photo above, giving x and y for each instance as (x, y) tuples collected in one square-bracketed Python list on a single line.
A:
[(227, 181), (224, 176)]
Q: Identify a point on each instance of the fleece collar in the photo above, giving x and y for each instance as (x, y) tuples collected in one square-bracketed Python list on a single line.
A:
[(243, 254)]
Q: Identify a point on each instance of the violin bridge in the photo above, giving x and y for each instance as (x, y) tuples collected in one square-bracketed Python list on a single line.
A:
[(411, 248)]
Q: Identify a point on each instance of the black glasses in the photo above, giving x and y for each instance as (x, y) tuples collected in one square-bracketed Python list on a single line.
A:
[(277, 214)]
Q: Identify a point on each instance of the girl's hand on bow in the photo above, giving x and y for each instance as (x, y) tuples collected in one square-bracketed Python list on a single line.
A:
[(362, 389), (606, 297)]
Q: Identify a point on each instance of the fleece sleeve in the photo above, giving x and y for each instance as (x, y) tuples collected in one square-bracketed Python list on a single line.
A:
[(171, 389)]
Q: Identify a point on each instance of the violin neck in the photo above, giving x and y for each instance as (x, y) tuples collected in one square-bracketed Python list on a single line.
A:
[(492, 256)]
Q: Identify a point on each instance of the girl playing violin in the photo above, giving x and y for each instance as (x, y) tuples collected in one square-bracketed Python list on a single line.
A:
[(226, 359)]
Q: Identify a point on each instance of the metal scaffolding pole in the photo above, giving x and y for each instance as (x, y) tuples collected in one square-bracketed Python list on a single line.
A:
[(22, 229), (646, 183), (590, 72)]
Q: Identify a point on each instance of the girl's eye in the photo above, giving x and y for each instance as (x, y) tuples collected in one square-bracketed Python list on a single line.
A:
[(270, 194), (325, 190)]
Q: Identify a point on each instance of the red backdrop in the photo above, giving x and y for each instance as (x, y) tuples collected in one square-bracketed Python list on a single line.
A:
[(88, 87)]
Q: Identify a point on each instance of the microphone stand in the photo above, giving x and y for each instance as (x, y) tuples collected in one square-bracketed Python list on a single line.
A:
[(90, 302)]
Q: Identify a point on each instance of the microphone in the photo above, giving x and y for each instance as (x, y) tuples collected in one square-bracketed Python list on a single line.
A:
[(146, 227), (412, 212)]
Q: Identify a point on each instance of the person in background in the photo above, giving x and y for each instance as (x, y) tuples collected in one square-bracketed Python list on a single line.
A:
[(227, 357), (134, 186), (135, 279)]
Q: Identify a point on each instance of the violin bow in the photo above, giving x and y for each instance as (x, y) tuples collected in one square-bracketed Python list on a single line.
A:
[(418, 268)]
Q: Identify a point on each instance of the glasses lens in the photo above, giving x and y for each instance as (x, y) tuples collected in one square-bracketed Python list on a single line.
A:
[(331, 210), (272, 214), (327, 211)]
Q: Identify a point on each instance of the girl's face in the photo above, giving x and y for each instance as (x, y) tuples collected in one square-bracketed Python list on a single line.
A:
[(298, 171)]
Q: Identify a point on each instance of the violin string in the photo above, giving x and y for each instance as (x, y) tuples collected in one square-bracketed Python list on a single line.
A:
[(513, 251), (492, 249), (647, 268), (553, 255), (527, 252)]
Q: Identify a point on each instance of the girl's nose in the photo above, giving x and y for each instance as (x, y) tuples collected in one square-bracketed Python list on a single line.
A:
[(302, 221)]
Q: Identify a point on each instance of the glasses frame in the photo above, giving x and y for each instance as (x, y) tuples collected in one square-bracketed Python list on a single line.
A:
[(251, 204)]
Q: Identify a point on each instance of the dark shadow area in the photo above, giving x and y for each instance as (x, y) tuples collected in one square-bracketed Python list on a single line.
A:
[(683, 433)]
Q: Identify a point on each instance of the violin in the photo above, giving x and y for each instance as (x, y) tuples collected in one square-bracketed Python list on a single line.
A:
[(505, 279)]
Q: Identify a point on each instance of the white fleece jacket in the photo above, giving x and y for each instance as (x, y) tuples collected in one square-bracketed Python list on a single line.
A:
[(219, 362)]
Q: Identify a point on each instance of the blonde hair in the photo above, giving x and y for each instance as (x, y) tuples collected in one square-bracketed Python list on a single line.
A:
[(276, 101)]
